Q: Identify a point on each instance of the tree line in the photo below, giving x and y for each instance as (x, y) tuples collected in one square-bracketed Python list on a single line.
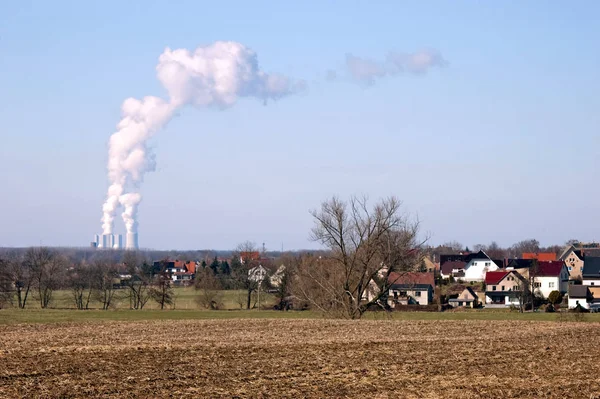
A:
[(366, 248)]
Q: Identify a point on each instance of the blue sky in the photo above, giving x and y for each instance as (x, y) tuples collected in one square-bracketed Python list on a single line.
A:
[(499, 144)]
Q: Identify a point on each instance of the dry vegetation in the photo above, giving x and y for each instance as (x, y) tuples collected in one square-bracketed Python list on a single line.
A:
[(301, 358)]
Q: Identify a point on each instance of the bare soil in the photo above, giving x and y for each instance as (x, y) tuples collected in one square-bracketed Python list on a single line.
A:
[(301, 358)]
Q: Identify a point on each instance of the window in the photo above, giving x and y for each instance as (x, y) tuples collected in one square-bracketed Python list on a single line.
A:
[(537, 285), (487, 263), (493, 288), (417, 293), (460, 304), (551, 284), (570, 268), (592, 283), (502, 288)]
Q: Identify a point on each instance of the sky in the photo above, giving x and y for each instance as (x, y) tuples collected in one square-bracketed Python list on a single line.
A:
[(489, 132)]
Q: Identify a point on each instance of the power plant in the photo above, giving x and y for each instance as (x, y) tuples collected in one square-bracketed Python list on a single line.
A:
[(115, 241)]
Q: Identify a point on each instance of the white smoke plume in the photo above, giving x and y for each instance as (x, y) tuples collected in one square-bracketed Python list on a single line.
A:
[(367, 71), (214, 75)]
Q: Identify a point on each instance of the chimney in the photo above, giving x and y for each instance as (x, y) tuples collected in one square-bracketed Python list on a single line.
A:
[(131, 241)]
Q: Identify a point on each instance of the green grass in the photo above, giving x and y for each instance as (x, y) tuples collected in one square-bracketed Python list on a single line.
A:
[(31, 316), (185, 299)]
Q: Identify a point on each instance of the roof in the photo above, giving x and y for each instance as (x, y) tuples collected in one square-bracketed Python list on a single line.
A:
[(541, 256), (411, 286), (579, 291), (494, 278), (447, 267), (467, 257), (593, 252), (411, 279), (520, 263), (591, 267), (471, 292), (549, 269)]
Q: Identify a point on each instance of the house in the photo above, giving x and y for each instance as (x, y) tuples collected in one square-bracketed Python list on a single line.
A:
[(504, 288), (579, 295), (468, 298), (551, 276), (257, 274), (477, 267), (180, 271), (591, 271), (411, 288), (541, 256), (453, 269), (574, 261)]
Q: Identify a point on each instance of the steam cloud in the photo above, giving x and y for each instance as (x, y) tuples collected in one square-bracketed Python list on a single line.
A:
[(367, 71), (215, 75)]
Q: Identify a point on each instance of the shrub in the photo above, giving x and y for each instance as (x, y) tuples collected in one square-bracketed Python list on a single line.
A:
[(555, 297)]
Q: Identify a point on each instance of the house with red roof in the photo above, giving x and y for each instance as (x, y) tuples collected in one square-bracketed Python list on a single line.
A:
[(504, 288), (411, 288), (550, 276), (541, 256)]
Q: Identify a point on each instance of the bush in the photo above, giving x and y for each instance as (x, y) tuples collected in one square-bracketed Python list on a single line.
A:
[(555, 297)]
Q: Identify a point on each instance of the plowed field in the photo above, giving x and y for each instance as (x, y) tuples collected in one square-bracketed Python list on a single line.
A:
[(301, 358)]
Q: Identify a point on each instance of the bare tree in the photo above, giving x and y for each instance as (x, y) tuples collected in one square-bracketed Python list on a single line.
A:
[(7, 291), (366, 247), (104, 274), (209, 290), (249, 258), (20, 275), (47, 269), (162, 290), (521, 247), (81, 283), (138, 281)]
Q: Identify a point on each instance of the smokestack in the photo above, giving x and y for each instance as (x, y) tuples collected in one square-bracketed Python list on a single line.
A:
[(132, 241)]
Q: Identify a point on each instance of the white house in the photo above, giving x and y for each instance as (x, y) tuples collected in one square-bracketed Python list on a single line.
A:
[(579, 295), (257, 274), (478, 266), (591, 271), (551, 276)]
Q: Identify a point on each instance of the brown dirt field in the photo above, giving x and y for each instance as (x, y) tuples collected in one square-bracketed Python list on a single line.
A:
[(301, 358)]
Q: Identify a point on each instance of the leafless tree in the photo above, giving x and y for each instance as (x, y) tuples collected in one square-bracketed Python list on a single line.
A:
[(521, 247), (139, 278), (249, 258), (104, 274), (81, 283), (162, 290), (7, 291), (20, 275), (209, 290), (366, 245), (47, 269)]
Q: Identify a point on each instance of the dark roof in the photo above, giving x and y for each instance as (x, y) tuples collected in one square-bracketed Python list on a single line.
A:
[(520, 263), (591, 267), (498, 262), (447, 267), (411, 286), (463, 257), (411, 278), (550, 269), (579, 291), (591, 252), (494, 278), (471, 291)]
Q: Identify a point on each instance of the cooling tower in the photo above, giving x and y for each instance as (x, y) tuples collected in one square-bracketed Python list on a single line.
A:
[(118, 241), (132, 241)]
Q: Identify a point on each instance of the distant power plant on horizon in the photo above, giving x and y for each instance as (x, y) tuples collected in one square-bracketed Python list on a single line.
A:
[(115, 241)]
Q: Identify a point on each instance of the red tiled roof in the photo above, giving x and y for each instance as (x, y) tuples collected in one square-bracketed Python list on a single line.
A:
[(447, 267), (411, 278), (541, 256), (494, 278), (549, 269)]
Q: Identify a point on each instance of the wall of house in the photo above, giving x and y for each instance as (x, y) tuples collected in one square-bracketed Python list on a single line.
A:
[(508, 283), (594, 282), (475, 270), (424, 297), (573, 303), (547, 285), (574, 265)]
